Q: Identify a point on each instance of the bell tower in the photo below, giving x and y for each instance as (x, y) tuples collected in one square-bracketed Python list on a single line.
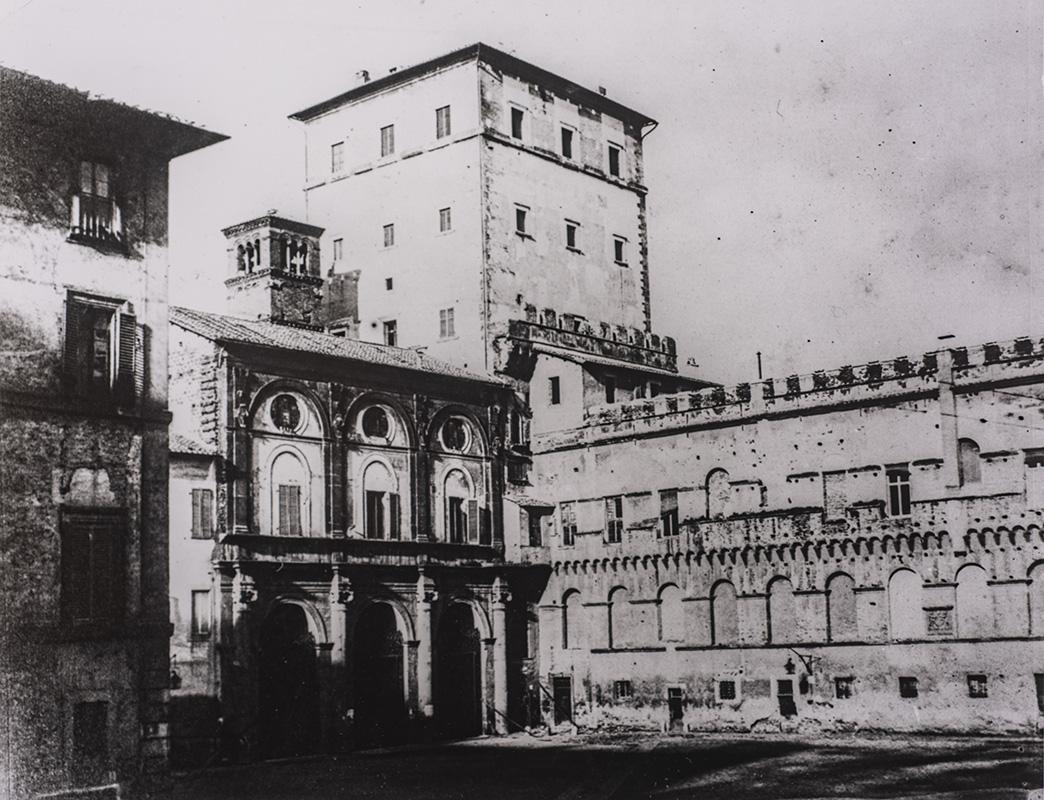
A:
[(274, 271)]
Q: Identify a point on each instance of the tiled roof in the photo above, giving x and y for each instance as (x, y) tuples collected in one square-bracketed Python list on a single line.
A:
[(183, 444), (221, 328)]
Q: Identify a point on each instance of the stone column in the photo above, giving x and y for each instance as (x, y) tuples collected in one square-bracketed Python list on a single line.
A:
[(501, 597), (426, 597), (340, 596), (242, 722)]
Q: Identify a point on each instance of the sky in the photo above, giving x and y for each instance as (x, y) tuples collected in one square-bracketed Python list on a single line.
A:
[(831, 182)]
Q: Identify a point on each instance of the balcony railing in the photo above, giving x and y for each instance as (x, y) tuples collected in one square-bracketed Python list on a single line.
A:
[(96, 219)]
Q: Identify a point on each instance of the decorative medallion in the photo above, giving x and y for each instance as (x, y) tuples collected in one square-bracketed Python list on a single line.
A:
[(286, 413), (375, 424), (455, 435)]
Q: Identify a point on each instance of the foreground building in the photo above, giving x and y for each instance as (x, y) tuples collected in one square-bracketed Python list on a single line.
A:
[(83, 438), (339, 568)]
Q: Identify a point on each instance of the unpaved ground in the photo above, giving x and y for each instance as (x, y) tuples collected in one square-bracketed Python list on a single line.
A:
[(626, 766)]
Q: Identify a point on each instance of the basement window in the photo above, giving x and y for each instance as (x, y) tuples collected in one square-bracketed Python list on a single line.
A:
[(622, 690), (908, 687), (977, 686), (726, 690), (843, 688)]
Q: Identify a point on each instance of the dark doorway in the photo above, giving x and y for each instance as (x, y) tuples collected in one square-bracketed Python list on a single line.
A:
[(785, 694), (288, 686), (458, 706), (674, 708), (562, 690), (380, 707)]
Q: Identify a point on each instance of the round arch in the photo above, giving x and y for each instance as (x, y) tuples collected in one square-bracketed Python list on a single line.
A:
[(367, 399), (280, 385), (432, 433)]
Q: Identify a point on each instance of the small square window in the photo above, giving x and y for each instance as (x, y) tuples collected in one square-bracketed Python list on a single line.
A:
[(614, 161), (338, 249), (622, 690), (726, 690), (977, 686), (446, 323), (442, 122), (517, 115), (908, 687), (567, 143), (391, 332), (389, 235), (387, 140), (554, 389), (843, 688), (620, 250), (520, 219), (445, 220), (389, 284), (337, 157)]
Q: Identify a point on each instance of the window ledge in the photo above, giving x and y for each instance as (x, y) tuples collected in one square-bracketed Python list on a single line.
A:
[(576, 250), (622, 264), (107, 245), (524, 235)]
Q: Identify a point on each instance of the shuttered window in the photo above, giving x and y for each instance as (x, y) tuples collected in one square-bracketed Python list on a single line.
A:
[(669, 512), (394, 516), (289, 510), (91, 567), (104, 350), (202, 503)]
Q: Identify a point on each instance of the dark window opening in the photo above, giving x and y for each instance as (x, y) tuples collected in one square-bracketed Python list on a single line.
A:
[(622, 690), (898, 493), (517, 115), (391, 332), (977, 686), (90, 741), (103, 355), (619, 254), (520, 220), (554, 387), (458, 519), (908, 687), (614, 519), (571, 235), (567, 512), (536, 528), (389, 284), (669, 512), (727, 690), (843, 688), (614, 161), (375, 422), (610, 390), (567, 143), (91, 567)]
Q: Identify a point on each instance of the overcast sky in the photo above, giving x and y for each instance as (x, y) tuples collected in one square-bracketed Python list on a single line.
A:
[(831, 182)]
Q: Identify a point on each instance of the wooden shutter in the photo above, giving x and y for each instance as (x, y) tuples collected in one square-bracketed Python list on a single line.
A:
[(73, 336), (127, 340), (76, 584), (395, 511), (284, 510), (473, 520), (197, 512)]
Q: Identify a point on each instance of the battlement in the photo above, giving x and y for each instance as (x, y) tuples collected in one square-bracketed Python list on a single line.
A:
[(574, 332), (874, 381)]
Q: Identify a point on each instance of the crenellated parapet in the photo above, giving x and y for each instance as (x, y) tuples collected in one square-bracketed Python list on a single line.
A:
[(573, 332), (847, 386)]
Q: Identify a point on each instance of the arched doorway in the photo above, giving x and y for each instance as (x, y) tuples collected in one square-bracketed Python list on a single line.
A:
[(380, 707), (288, 685), (458, 708)]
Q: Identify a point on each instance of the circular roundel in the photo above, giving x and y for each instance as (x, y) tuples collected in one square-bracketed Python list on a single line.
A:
[(455, 434), (375, 423), (286, 413)]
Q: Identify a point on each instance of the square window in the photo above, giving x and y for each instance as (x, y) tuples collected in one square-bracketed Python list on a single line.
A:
[(726, 690), (445, 220), (391, 332), (614, 161), (843, 688), (520, 219), (554, 390), (389, 235), (619, 250), (337, 157), (446, 323), (567, 143), (517, 115), (387, 140), (201, 614), (338, 249), (622, 690), (977, 686), (442, 122), (389, 284), (908, 687), (567, 514), (614, 519), (202, 503)]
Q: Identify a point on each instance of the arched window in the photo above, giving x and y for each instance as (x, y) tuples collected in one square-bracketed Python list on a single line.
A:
[(618, 613), (572, 621), (290, 500), (724, 614), (968, 463), (719, 494), (382, 514), (974, 609), (841, 608), (669, 617), (461, 512), (905, 605), (782, 613)]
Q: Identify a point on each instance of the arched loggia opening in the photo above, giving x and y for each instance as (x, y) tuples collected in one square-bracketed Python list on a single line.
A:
[(288, 685), (380, 703), (458, 680)]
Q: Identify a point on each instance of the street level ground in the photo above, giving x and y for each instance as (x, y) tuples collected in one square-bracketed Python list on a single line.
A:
[(625, 766)]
